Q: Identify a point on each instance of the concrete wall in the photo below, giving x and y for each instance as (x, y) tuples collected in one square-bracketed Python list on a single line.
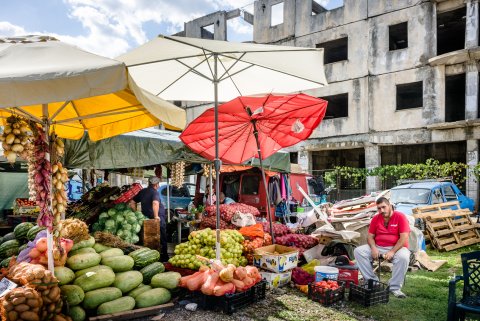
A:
[(357, 120), (421, 45)]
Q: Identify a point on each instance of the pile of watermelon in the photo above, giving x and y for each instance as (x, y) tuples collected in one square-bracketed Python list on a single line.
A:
[(14, 242), (99, 280)]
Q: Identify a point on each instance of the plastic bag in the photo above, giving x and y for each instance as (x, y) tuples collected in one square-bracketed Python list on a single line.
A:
[(253, 231), (242, 220)]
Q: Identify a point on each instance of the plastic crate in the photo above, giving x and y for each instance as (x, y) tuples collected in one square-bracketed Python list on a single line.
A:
[(369, 293), (326, 296), (129, 194), (182, 271), (230, 303)]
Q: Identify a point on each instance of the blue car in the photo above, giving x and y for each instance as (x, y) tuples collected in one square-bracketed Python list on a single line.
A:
[(408, 196), (179, 197)]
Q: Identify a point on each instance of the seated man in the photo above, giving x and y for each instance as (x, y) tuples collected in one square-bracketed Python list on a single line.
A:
[(387, 236), (225, 200)]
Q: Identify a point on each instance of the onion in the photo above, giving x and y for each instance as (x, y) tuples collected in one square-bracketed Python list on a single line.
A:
[(18, 148), (10, 138), (11, 156)]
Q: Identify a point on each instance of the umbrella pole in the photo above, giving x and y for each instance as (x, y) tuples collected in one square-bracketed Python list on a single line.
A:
[(255, 133), (168, 198), (217, 160), (46, 126), (210, 184)]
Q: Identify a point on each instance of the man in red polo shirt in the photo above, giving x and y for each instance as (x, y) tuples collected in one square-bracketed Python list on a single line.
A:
[(387, 236)]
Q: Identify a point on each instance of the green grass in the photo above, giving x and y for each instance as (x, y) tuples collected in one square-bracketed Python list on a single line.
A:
[(427, 292)]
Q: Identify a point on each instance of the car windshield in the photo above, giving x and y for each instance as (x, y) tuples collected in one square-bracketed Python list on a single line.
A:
[(409, 195)]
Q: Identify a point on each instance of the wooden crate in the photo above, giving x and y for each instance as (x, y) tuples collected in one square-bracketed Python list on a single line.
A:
[(448, 228), (151, 234), (144, 313)]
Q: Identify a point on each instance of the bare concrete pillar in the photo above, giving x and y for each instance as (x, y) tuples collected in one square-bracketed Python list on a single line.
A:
[(472, 161), (471, 37), (471, 91), (304, 160), (373, 159)]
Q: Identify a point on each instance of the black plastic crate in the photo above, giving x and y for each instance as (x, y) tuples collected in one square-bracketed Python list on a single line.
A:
[(369, 293), (230, 303), (326, 296)]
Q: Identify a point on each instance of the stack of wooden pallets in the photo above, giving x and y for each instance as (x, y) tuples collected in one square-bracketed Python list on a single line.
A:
[(448, 226)]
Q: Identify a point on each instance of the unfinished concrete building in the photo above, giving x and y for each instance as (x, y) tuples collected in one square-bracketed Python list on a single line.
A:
[(403, 79)]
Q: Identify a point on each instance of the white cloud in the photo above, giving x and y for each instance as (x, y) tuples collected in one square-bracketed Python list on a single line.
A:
[(112, 27), (8, 30)]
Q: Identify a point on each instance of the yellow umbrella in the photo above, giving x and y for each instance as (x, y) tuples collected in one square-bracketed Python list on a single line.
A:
[(70, 90), (102, 116), (60, 85)]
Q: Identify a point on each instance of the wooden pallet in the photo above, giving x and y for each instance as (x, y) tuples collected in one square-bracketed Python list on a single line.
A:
[(448, 228), (134, 314)]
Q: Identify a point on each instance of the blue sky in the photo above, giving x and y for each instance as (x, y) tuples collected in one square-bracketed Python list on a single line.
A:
[(112, 27)]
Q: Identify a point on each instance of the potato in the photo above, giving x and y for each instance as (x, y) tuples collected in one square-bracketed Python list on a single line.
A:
[(12, 315), (8, 306), (51, 308), (59, 318), (30, 295), (22, 308), (29, 316), (19, 300), (33, 303), (54, 292)]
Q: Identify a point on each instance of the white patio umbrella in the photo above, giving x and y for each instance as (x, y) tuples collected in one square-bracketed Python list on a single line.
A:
[(50, 82), (191, 69)]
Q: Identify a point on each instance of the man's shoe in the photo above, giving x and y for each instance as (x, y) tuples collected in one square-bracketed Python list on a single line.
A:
[(398, 294)]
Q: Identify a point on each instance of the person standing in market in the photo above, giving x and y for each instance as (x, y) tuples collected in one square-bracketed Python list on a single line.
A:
[(387, 236), (153, 208)]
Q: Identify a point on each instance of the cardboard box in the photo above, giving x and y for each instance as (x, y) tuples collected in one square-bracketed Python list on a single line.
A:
[(275, 258), (276, 280)]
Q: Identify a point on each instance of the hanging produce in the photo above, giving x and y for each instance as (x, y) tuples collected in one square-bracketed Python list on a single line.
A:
[(206, 170), (177, 173), (43, 172), (59, 195), (15, 138), (32, 193)]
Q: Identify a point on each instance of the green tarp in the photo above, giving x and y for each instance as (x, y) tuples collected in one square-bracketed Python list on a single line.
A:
[(12, 186), (145, 148)]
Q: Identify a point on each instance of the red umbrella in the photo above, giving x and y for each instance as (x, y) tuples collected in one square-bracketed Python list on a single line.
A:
[(255, 127), (281, 121)]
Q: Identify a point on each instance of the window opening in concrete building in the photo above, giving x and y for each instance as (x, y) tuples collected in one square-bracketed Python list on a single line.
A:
[(398, 36), (294, 157), (410, 95), (455, 97), (208, 32), (451, 29), (337, 106), (277, 14), (320, 6), (335, 50), (239, 30)]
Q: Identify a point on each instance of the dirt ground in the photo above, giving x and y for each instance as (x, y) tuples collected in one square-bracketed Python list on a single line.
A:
[(284, 304)]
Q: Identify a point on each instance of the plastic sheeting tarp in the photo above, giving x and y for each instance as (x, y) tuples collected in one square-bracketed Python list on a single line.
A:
[(12, 186), (145, 148)]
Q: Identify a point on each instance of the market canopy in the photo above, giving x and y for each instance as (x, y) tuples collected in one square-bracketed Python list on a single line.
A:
[(82, 91), (180, 68), (145, 148)]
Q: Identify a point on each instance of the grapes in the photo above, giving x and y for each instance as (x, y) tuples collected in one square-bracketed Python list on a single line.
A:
[(203, 243)]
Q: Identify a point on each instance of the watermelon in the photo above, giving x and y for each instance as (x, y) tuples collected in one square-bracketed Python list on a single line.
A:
[(144, 256), (150, 270), (152, 297), (32, 233), (5, 262), (9, 248), (23, 247), (167, 280), (21, 230), (8, 237)]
